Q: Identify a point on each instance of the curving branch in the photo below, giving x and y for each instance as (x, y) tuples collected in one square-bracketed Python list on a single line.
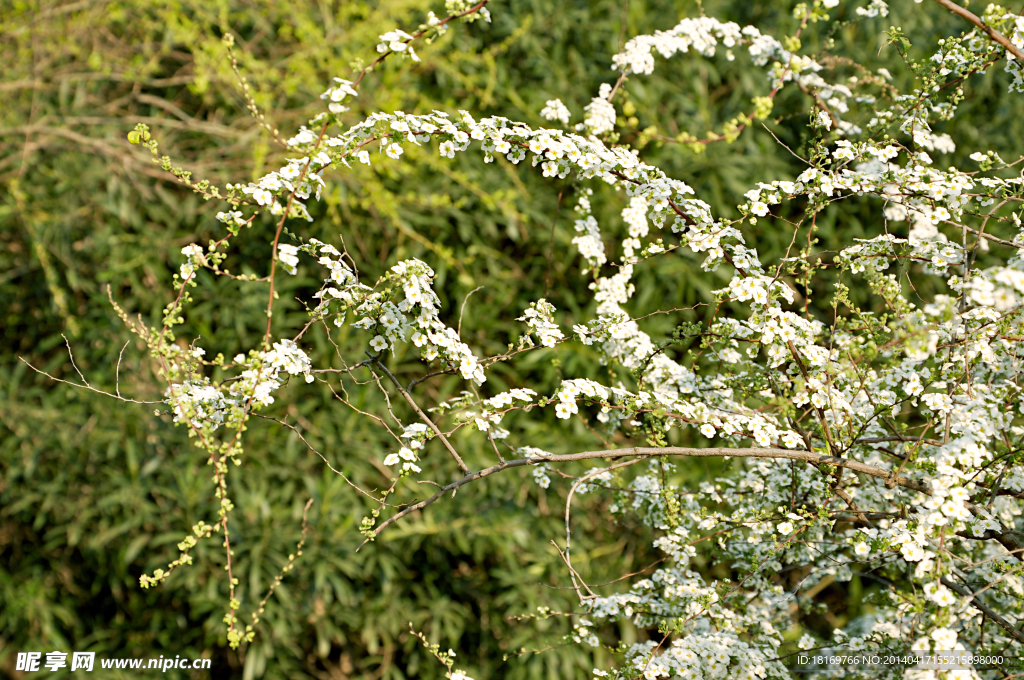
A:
[(991, 32), (648, 452)]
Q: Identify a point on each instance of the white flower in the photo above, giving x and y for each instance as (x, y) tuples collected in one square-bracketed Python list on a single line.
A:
[(785, 528), (378, 343), (938, 402), (288, 256), (944, 598), (912, 552), (394, 150), (862, 549), (939, 214), (758, 208), (392, 459), (791, 440), (554, 109), (708, 430), (945, 638)]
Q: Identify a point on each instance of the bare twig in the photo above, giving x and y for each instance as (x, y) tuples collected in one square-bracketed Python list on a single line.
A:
[(568, 533), (326, 462), (117, 371), (421, 414), (462, 310), (73, 360), (86, 386)]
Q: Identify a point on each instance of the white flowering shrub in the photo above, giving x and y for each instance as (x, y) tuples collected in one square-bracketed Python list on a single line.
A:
[(882, 438)]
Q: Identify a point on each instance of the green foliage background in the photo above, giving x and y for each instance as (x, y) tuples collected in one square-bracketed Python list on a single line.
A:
[(95, 492)]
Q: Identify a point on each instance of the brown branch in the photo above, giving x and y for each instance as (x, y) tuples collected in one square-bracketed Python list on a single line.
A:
[(897, 438), (821, 414), (807, 456), (981, 234), (992, 33)]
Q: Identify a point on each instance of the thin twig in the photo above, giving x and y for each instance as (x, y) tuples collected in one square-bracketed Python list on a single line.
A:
[(326, 462), (73, 361), (87, 386), (117, 371), (462, 310), (420, 413)]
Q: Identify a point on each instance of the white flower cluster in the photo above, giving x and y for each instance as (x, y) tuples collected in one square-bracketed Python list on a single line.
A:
[(285, 184), (701, 33), (195, 258), (539, 316), (414, 437), (554, 109), (232, 218), (201, 402), (711, 656), (488, 419), (338, 93), (397, 41), (539, 471), (876, 8), (1013, 65), (600, 112), (393, 322), (589, 243)]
